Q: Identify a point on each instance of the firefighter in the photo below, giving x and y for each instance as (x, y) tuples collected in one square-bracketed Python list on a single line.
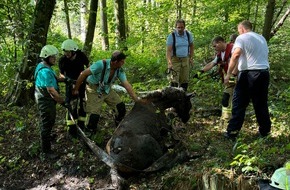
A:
[(222, 58), (47, 95), (99, 77), (71, 64)]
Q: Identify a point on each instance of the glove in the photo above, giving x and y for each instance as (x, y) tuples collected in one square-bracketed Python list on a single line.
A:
[(69, 81), (198, 74), (232, 80)]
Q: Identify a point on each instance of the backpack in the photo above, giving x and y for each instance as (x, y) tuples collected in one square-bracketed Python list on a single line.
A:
[(174, 42)]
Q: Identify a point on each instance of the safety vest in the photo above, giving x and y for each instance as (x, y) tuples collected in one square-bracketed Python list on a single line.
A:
[(224, 64)]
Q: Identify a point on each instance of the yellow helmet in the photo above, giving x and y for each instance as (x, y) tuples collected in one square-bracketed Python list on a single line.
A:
[(48, 50)]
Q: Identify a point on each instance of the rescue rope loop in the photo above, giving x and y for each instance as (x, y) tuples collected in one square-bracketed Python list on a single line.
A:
[(170, 71)]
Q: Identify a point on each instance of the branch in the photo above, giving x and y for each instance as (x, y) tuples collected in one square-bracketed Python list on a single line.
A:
[(280, 23)]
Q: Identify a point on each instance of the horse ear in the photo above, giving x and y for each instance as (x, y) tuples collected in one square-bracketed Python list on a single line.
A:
[(189, 95)]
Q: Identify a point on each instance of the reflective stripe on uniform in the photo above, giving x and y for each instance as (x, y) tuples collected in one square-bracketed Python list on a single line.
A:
[(226, 113), (80, 118)]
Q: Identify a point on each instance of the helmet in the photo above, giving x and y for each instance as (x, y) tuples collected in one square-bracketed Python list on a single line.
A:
[(69, 45), (48, 50), (279, 178)]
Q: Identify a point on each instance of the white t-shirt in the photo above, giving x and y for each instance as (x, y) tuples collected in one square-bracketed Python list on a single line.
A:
[(254, 51)]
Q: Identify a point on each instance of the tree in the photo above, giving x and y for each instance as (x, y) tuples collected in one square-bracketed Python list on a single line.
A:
[(20, 94), (120, 25), (67, 19), (104, 25), (269, 19), (91, 27)]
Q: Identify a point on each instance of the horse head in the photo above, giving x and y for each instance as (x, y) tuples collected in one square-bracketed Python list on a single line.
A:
[(172, 97)]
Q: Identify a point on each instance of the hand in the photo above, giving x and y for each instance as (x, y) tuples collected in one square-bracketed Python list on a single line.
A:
[(226, 79), (233, 80), (75, 92)]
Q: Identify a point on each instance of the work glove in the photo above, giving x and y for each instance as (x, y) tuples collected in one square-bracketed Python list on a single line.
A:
[(233, 80), (198, 74), (69, 81)]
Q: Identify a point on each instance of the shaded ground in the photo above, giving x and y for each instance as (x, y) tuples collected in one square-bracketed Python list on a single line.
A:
[(23, 167)]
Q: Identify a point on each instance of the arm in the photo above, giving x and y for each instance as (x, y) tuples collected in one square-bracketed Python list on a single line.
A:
[(191, 53), (55, 95), (233, 64), (168, 56), (81, 79), (208, 66), (130, 90)]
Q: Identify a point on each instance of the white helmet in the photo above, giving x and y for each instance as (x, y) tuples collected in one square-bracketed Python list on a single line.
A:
[(69, 45), (279, 178), (48, 50)]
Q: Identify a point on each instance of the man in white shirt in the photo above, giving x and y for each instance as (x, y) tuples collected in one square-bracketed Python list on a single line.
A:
[(250, 52)]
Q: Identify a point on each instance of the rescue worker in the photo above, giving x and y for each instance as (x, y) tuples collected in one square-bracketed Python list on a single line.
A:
[(47, 95), (179, 55), (222, 58), (99, 78), (71, 64)]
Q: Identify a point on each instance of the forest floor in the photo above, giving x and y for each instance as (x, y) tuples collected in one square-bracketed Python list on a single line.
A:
[(23, 167)]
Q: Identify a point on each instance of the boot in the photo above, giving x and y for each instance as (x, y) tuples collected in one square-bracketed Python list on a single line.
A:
[(174, 84), (46, 149), (72, 130), (93, 124), (184, 86)]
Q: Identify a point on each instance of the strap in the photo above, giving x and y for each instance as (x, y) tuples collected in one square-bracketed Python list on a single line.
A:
[(35, 75), (173, 44), (174, 41), (103, 71)]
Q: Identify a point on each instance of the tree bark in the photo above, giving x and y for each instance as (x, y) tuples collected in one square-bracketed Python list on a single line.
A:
[(67, 19), (91, 27), (121, 25), (104, 25), (269, 19), (20, 94), (83, 10)]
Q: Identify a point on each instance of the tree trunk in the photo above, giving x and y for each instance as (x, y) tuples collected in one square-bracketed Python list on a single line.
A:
[(67, 19), (269, 19), (21, 94), (104, 25), (91, 27), (83, 10), (121, 26)]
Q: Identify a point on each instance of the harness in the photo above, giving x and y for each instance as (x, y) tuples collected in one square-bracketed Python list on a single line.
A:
[(223, 65), (102, 83), (174, 42)]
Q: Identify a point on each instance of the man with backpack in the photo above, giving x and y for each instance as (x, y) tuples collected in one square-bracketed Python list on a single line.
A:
[(71, 64), (99, 77), (179, 55)]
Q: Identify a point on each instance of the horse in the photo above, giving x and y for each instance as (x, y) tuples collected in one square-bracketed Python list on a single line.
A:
[(139, 140)]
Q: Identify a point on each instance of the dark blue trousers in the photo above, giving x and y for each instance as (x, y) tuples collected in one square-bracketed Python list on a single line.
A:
[(252, 86)]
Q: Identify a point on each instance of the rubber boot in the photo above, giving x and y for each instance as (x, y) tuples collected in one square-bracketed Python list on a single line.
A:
[(93, 123), (121, 113), (174, 84), (46, 149), (184, 86)]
